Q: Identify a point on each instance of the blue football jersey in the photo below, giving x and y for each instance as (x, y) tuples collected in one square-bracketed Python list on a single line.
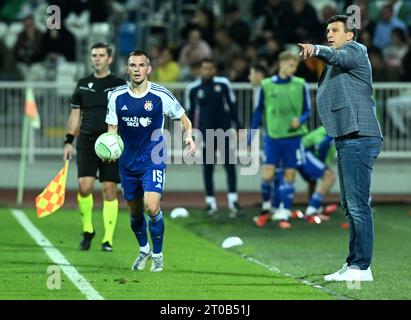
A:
[(137, 118)]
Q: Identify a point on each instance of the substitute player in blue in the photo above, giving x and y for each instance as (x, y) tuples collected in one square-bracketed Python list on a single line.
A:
[(285, 106), (315, 169), (137, 111)]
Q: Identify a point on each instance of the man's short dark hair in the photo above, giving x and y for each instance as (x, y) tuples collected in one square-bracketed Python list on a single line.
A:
[(207, 60), (343, 19), (104, 45), (259, 68), (138, 53)]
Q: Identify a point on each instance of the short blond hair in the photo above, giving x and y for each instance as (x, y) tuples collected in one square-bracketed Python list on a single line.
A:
[(287, 55)]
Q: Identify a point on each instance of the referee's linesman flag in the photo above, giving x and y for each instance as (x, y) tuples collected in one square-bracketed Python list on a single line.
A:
[(52, 197)]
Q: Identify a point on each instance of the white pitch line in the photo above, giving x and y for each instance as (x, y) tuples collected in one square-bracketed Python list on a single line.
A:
[(289, 275), (57, 257)]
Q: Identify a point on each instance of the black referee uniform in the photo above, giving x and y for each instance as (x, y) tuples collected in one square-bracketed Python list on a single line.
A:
[(91, 96)]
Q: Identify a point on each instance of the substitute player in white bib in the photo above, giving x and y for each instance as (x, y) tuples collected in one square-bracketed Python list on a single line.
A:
[(136, 111)]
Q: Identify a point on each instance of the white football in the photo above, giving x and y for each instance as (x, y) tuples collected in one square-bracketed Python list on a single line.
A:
[(232, 242), (179, 213), (109, 146)]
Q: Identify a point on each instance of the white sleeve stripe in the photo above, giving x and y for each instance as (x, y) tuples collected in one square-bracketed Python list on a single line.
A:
[(227, 82)]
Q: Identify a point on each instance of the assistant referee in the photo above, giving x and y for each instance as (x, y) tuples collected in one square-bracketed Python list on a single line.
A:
[(89, 107)]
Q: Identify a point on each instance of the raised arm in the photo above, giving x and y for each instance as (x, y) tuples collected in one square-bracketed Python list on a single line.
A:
[(347, 57)]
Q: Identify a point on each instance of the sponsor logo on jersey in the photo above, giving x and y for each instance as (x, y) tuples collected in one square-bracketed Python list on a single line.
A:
[(124, 108), (148, 105), (145, 121), (136, 121)]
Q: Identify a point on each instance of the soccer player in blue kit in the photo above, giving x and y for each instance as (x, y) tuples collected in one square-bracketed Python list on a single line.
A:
[(137, 111)]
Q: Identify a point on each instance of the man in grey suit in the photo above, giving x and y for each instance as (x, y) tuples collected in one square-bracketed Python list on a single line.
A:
[(347, 111)]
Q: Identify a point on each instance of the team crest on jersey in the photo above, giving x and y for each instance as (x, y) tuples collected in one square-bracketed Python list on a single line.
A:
[(90, 84), (217, 88), (148, 105), (200, 94)]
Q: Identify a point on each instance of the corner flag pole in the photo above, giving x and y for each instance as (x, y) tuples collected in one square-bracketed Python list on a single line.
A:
[(23, 159), (31, 119)]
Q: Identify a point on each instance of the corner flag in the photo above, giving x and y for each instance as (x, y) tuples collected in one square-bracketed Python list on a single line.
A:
[(30, 109), (52, 197)]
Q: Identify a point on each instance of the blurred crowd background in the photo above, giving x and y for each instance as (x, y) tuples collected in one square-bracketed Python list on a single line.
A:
[(177, 34)]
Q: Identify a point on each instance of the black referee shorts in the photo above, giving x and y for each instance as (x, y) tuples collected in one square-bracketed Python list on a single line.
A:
[(89, 165)]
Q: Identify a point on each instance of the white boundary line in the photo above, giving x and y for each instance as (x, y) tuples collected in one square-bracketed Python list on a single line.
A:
[(57, 257), (289, 275)]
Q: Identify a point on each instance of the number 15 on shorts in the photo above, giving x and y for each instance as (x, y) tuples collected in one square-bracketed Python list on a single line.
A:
[(158, 178)]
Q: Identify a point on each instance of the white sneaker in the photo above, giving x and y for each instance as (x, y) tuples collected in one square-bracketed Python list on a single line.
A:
[(350, 274), (281, 214), (157, 264), (141, 261)]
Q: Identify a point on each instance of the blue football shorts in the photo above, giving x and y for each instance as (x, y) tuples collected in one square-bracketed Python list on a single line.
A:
[(283, 152), (150, 179), (312, 168)]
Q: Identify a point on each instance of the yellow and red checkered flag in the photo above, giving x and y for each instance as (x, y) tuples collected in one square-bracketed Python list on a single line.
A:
[(52, 197)]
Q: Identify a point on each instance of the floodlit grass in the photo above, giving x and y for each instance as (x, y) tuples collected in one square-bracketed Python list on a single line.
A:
[(195, 268)]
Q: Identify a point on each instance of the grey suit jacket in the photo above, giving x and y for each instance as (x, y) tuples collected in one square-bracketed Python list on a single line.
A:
[(344, 97)]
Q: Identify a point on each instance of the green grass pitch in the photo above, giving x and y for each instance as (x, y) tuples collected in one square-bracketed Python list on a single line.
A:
[(196, 267)]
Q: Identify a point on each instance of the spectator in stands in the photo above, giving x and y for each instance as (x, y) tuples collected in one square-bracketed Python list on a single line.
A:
[(67, 7), (239, 69), (274, 18), (301, 23), (194, 50), (380, 72), (237, 28), (270, 50), (371, 7), (29, 43), (99, 10), (8, 67), (367, 23), (168, 69), (394, 53), (384, 27), (251, 51), (58, 44), (327, 11), (402, 10), (366, 39), (224, 51), (203, 20)]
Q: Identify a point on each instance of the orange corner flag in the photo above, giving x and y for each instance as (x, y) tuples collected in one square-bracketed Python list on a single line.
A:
[(52, 197), (30, 109)]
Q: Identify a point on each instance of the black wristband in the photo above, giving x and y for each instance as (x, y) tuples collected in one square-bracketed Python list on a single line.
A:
[(69, 138)]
